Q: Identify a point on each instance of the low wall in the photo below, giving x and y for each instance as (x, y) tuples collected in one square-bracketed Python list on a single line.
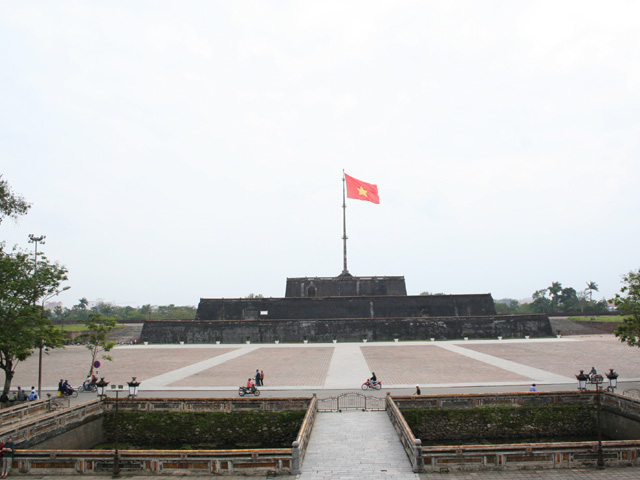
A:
[(166, 462), (412, 445), (529, 455), (345, 329), (23, 410), (39, 439), (44, 428), (302, 441), (615, 408)]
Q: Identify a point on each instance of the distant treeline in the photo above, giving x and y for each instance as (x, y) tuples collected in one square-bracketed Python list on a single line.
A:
[(80, 312), (556, 299)]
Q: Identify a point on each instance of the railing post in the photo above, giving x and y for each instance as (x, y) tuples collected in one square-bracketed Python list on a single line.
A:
[(295, 458), (418, 460)]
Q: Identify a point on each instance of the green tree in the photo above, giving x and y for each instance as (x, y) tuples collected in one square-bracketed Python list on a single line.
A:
[(627, 301), (24, 325), (554, 290), (592, 287), (568, 300), (11, 205), (99, 328), (507, 306), (541, 303)]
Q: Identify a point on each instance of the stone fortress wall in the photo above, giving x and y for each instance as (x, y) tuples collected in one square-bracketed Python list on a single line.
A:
[(345, 308)]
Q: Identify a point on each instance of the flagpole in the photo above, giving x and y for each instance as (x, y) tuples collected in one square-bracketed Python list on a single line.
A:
[(344, 228)]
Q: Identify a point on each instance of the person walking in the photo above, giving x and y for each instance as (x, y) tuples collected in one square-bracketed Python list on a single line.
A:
[(257, 377), (7, 456), (417, 390), (262, 378)]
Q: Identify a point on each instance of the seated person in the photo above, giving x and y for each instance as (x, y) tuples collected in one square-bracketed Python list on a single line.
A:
[(374, 379), (250, 385), (33, 395)]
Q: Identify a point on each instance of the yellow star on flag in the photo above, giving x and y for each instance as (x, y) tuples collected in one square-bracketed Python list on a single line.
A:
[(362, 191)]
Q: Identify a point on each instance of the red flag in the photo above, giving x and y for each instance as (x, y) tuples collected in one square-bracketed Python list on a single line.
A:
[(361, 190)]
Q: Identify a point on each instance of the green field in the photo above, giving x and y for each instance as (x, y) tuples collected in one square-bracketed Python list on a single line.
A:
[(79, 327), (604, 318)]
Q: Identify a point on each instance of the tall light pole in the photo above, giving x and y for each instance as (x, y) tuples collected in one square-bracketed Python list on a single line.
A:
[(41, 345), (36, 240)]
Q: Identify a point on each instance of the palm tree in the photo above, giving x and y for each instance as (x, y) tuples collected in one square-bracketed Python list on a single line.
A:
[(592, 286), (554, 290)]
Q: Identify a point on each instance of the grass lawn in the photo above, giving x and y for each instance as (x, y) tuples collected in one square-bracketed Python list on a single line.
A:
[(604, 318), (79, 327)]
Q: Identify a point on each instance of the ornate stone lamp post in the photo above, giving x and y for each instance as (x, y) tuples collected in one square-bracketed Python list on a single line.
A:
[(597, 381), (613, 380), (133, 391), (582, 380)]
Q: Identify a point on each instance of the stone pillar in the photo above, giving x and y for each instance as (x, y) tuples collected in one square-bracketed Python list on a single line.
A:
[(295, 458), (418, 460)]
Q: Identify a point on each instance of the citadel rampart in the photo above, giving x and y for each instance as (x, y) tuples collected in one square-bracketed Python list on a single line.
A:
[(344, 329), (345, 308)]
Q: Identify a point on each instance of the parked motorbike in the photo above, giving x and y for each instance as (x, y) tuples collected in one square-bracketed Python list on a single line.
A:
[(242, 391), (374, 385)]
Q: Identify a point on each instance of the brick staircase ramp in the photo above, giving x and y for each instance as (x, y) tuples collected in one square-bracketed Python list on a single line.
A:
[(127, 334), (355, 445)]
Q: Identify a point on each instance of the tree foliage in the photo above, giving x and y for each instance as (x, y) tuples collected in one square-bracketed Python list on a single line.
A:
[(11, 205), (99, 328), (627, 301), (556, 298), (80, 312), (24, 325)]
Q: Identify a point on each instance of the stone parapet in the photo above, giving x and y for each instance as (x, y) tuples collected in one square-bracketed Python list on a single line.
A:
[(345, 329)]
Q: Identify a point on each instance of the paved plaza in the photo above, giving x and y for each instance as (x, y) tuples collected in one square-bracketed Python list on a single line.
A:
[(353, 445), (551, 363)]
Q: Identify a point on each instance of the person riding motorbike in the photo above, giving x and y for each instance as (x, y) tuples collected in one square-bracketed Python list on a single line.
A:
[(250, 386), (66, 388)]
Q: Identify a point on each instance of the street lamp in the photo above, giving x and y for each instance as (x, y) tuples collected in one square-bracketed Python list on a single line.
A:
[(133, 387), (102, 393), (582, 380), (613, 380), (36, 240), (597, 381)]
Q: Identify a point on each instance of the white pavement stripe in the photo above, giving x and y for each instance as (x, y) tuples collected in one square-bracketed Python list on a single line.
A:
[(348, 368), (168, 378), (536, 374)]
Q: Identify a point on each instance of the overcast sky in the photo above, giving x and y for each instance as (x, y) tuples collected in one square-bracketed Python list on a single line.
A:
[(175, 150)]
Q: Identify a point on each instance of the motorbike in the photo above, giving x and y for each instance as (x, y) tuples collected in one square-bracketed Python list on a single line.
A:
[(242, 391), (377, 385), (69, 393), (88, 387)]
